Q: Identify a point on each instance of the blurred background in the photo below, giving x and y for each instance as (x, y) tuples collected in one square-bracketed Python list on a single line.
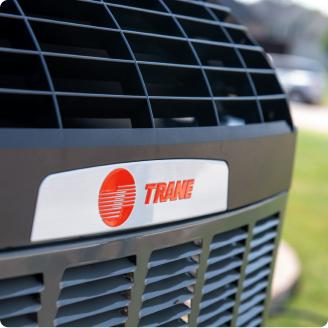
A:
[(295, 34)]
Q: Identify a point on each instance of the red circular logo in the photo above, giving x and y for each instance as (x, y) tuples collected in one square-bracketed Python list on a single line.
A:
[(117, 197)]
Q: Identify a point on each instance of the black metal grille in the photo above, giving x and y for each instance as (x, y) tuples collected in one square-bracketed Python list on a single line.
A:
[(131, 64), (213, 271)]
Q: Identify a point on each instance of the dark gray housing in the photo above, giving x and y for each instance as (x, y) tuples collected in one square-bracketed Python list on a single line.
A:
[(90, 82)]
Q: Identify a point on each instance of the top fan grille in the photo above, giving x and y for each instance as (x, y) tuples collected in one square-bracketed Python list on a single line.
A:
[(131, 64)]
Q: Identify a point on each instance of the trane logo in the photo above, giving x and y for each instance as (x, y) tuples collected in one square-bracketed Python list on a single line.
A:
[(117, 195), (172, 191)]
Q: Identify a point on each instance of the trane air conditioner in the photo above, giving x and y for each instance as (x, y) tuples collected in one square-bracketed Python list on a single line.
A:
[(146, 152)]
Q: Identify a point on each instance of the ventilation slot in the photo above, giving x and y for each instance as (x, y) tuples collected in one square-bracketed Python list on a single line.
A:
[(21, 72), (154, 49), (220, 12), (78, 12), (217, 56), (174, 81), (221, 278), (111, 113), (27, 111), (9, 7), (232, 20), (187, 9), (169, 286), (235, 113), (96, 294), (183, 113), (102, 77), (229, 84), (255, 59), (20, 300), (276, 110), (203, 31), (266, 84), (145, 22), (240, 36), (13, 34), (257, 273), (80, 41)]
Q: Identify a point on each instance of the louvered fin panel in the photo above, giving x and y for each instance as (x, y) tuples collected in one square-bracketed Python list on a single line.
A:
[(258, 271), (173, 64), (169, 286), (96, 294), (221, 278), (20, 301)]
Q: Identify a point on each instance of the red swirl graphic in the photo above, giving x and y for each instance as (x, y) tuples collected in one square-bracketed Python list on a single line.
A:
[(117, 197)]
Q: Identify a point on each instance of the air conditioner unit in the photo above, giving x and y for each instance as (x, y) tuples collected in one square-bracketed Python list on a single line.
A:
[(146, 152)]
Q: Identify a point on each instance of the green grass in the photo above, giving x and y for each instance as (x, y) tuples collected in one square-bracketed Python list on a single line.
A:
[(306, 229)]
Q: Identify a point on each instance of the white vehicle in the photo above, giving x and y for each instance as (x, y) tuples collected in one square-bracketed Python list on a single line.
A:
[(303, 79)]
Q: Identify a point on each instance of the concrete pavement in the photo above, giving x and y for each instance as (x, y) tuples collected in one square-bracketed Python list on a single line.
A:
[(308, 117)]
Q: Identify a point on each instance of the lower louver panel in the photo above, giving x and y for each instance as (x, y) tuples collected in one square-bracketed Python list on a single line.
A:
[(213, 271)]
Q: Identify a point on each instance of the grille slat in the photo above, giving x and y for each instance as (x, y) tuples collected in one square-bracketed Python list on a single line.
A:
[(22, 321), (175, 323), (93, 290), (263, 238), (258, 264), (257, 322), (109, 319), (220, 268), (175, 269), (173, 254), (215, 309), (162, 317), (165, 301), (265, 225), (17, 287), (252, 302), (226, 253), (249, 315), (252, 290), (167, 286), (220, 281), (220, 321), (256, 276), (18, 307), (87, 309), (218, 295), (260, 251), (228, 238), (96, 271)]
